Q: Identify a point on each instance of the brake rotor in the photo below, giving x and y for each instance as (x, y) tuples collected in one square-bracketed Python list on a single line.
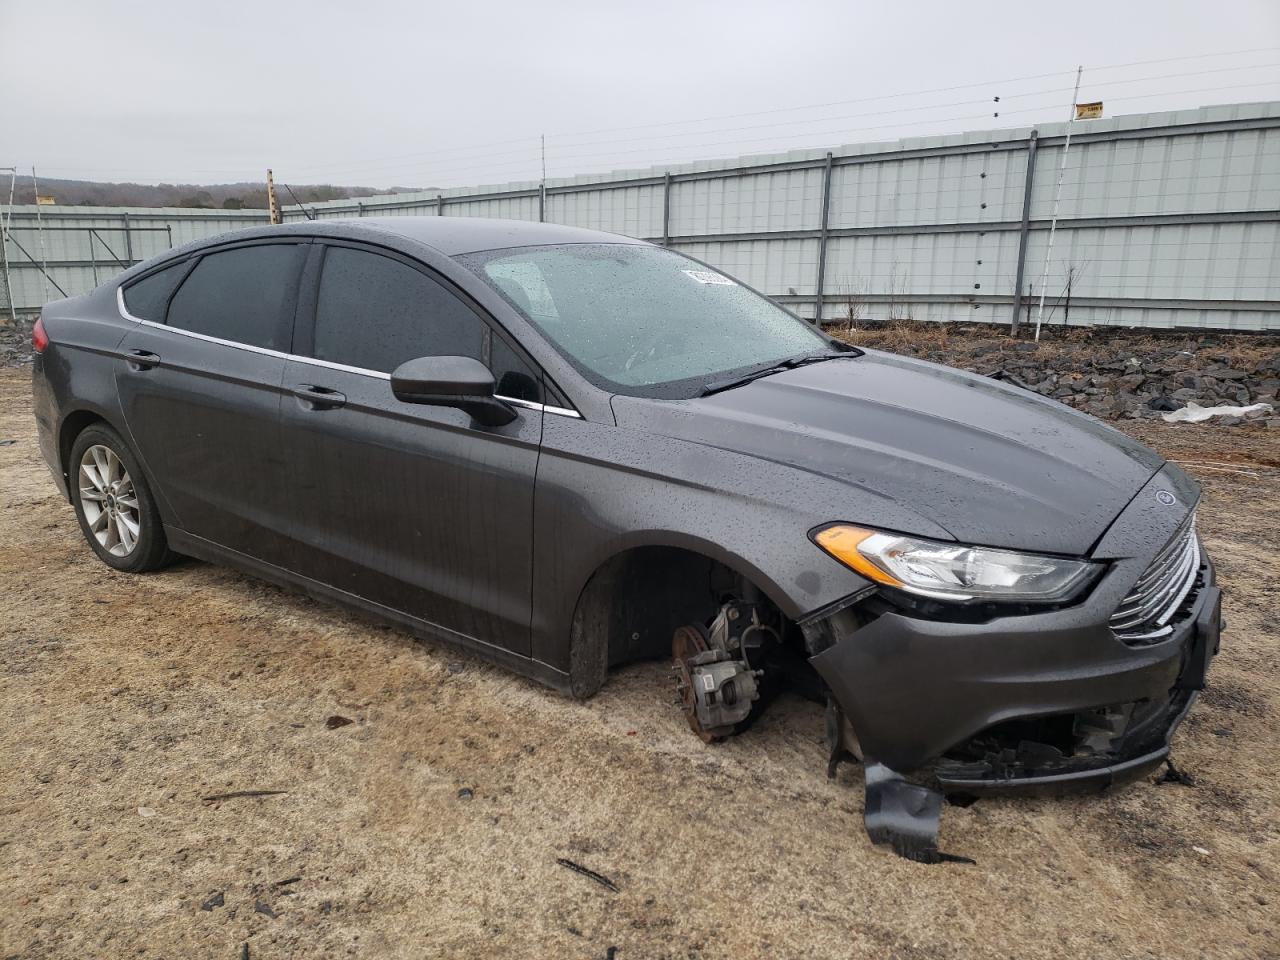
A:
[(686, 643)]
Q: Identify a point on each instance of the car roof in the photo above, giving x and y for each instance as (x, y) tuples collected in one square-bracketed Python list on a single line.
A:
[(458, 235), (450, 236)]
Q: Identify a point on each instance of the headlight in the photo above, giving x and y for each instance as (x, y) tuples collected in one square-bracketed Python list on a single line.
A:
[(951, 571)]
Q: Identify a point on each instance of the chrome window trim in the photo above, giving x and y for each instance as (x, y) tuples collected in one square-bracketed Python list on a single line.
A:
[(123, 311), (545, 408), (329, 364), (265, 351)]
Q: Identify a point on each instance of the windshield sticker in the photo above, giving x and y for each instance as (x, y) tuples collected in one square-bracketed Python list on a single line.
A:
[(706, 276)]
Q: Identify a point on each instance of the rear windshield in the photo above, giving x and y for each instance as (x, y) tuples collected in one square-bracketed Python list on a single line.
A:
[(643, 320)]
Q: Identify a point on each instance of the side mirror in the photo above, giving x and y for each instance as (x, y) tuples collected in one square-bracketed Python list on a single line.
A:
[(462, 382)]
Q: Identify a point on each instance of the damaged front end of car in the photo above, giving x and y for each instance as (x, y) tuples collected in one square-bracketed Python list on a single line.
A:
[(1081, 695), (1080, 687), (1105, 719)]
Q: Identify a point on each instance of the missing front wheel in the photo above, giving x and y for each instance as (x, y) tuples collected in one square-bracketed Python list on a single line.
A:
[(717, 685)]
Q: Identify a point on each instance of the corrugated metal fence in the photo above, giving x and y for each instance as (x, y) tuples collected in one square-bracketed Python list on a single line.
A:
[(85, 246), (1166, 219)]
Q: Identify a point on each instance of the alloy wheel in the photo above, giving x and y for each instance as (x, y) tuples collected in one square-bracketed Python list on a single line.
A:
[(109, 501)]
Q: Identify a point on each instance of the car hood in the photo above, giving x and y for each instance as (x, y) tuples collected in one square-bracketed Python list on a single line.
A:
[(991, 464)]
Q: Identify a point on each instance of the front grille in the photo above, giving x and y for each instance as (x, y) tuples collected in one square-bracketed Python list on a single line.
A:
[(1145, 615)]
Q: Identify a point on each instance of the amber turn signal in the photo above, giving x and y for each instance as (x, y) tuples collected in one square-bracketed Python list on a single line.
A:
[(841, 541)]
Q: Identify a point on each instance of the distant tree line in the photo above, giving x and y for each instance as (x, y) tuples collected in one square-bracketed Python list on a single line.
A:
[(225, 196)]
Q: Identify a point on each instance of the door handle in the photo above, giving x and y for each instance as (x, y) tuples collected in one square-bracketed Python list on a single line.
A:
[(314, 397), (142, 359)]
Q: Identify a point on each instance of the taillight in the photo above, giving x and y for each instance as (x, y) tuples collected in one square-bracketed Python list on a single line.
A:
[(39, 339)]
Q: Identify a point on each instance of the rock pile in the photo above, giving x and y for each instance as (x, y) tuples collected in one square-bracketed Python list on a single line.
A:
[(1111, 374), (15, 342)]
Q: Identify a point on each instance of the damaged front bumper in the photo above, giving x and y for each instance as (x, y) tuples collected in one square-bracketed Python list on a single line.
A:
[(1039, 702)]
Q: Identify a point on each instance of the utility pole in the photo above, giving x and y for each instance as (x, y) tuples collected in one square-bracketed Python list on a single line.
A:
[(1025, 231), (542, 189), (44, 262), (4, 242), (1057, 198), (273, 208)]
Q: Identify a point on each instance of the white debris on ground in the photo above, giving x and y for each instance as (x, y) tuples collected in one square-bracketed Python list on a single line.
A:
[(1194, 413)]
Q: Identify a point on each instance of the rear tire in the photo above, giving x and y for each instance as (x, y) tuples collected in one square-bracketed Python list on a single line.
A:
[(114, 505)]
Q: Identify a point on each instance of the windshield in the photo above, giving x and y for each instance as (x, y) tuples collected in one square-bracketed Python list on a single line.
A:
[(643, 320)]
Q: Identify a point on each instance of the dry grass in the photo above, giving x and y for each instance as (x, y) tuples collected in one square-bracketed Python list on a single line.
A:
[(127, 699), (896, 336)]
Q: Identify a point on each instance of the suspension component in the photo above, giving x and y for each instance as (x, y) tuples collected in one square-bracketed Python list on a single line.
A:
[(716, 685)]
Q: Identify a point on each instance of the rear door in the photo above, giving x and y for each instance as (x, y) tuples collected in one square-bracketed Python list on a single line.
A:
[(413, 507), (200, 382)]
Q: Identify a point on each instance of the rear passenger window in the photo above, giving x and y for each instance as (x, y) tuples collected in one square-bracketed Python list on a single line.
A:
[(241, 295), (375, 313), (147, 298)]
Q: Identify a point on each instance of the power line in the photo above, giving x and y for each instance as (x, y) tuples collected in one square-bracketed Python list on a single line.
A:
[(495, 162), (847, 130), (1170, 93), (1194, 56), (455, 162), (436, 170), (889, 96), (912, 93), (955, 103), (615, 158)]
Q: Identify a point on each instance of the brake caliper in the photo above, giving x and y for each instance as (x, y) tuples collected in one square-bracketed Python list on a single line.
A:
[(716, 685)]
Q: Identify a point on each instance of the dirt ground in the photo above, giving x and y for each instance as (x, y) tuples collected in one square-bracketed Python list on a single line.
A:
[(431, 825)]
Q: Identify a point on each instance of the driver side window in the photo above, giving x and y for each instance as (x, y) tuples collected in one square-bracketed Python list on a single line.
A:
[(374, 313)]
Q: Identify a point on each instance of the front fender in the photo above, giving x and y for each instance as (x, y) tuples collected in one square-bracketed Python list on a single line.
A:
[(603, 490)]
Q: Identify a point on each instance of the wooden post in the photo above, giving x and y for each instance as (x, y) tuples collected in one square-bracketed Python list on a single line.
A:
[(272, 206)]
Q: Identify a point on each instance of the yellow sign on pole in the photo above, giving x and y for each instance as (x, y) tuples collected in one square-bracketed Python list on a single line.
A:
[(1089, 111)]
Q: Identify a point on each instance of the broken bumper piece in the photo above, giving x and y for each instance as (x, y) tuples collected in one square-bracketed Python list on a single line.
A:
[(904, 815), (1041, 702)]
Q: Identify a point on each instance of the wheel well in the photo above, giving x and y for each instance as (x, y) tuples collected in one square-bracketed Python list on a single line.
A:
[(72, 426), (633, 604)]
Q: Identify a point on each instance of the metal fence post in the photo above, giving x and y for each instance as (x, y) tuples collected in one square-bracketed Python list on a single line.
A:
[(822, 242), (666, 209), (128, 239), (93, 256), (439, 204), (359, 209), (1026, 228), (6, 219), (4, 265)]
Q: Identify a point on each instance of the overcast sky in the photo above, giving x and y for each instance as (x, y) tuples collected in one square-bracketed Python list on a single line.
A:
[(447, 94)]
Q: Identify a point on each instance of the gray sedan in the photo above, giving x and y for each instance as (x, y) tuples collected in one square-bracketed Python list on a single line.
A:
[(568, 451)]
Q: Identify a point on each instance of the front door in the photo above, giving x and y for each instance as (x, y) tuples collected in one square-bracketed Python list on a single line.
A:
[(413, 507)]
